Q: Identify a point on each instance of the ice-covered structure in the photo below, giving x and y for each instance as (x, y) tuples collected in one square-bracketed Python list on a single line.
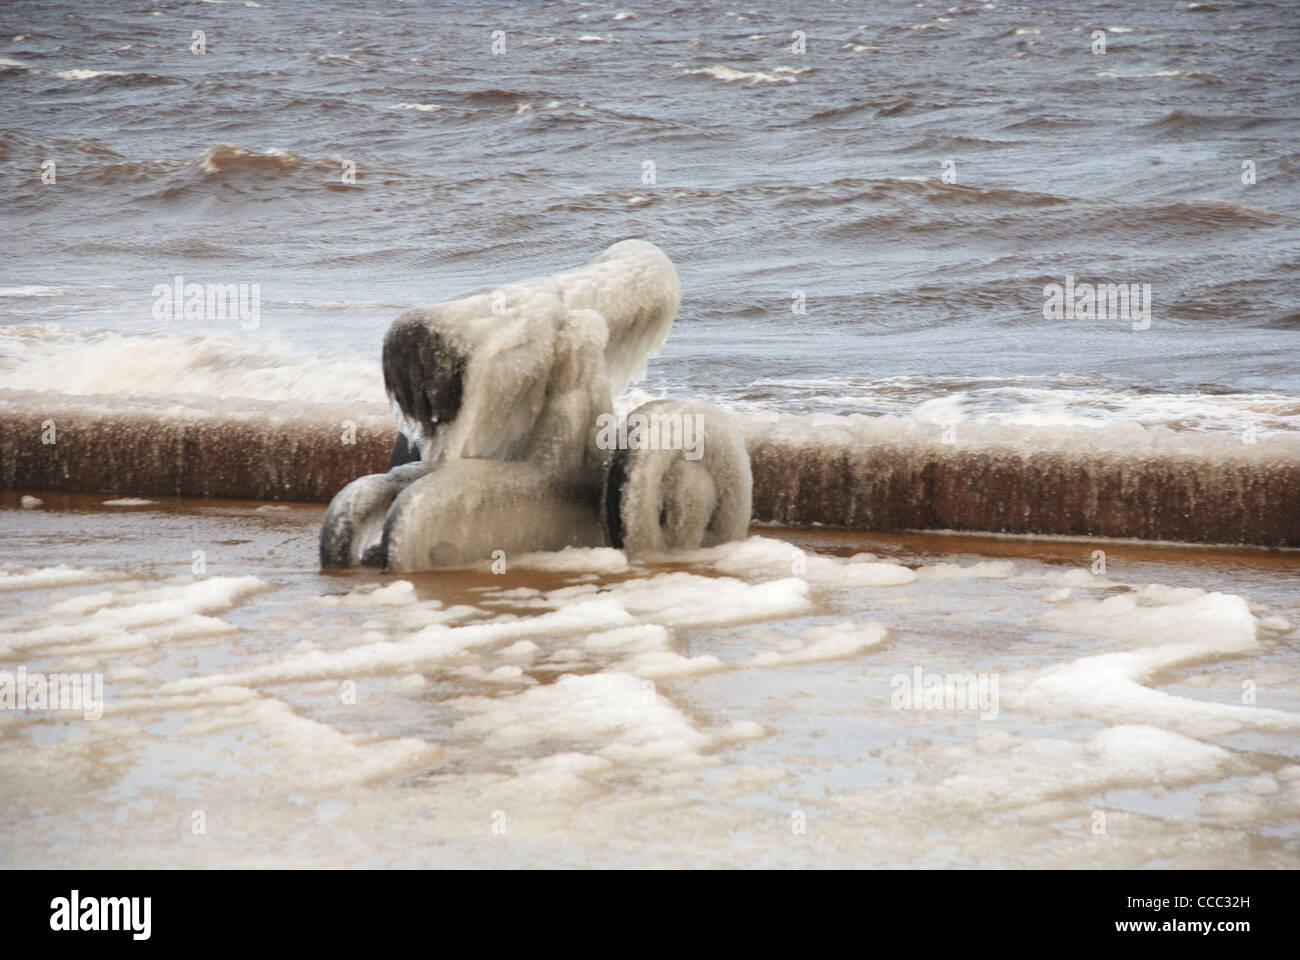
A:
[(500, 398), (661, 496)]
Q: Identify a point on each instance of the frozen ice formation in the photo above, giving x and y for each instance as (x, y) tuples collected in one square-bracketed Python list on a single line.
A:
[(660, 498), (508, 440)]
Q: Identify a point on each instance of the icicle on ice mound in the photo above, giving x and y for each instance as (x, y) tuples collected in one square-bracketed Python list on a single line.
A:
[(504, 402)]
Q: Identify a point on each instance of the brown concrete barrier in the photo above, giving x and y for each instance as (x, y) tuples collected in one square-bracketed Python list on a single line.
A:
[(1118, 481), (209, 448), (865, 473)]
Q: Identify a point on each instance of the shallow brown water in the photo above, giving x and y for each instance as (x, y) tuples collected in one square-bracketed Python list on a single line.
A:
[(726, 710)]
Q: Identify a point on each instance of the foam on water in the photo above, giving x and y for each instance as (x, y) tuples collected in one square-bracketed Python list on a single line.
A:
[(209, 365), (82, 74), (129, 617), (728, 74), (590, 702), (61, 575), (222, 365), (1160, 628)]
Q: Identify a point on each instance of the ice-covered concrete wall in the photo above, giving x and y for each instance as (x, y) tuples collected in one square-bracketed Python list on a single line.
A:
[(1116, 481), (865, 473), (207, 448)]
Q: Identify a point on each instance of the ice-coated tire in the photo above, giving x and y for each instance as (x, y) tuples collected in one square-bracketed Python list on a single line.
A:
[(676, 498)]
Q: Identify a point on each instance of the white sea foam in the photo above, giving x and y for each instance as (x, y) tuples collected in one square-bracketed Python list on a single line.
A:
[(686, 599), (223, 365), (311, 754), (37, 290), (1161, 627), (731, 75), (87, 74), (638, 702), (984, 569), (433, 645), (60, 576), (763, 556), (135, 618), (830, 642), (631, 724), (398, 593), (207, 365), (575, 560), (1071, 401), (1141, 76)]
